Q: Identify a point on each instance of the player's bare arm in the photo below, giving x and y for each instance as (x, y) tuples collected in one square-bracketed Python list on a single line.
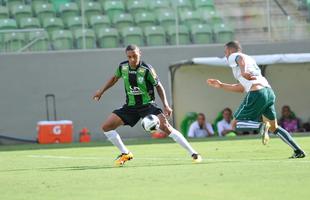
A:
[(162, 94), (241, 63), (105, 87), (228, 87)]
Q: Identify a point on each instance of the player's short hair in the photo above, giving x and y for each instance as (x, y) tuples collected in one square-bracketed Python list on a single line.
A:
[(234, 45), (132, 47)]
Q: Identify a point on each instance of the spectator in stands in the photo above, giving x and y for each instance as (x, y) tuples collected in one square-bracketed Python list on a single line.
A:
[(224, 126), (289, 121), (200, 128)]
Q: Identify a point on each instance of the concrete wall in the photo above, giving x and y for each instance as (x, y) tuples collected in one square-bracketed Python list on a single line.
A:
[(74, 76)]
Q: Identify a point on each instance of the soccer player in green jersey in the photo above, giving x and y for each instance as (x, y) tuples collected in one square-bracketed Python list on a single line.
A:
[(139, 81), (259, 101)]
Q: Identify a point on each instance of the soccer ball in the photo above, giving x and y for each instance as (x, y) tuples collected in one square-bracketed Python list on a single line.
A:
[(150, 123)]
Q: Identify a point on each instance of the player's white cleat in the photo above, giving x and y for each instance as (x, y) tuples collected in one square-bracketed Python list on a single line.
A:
[(264, 132), (196, 158)]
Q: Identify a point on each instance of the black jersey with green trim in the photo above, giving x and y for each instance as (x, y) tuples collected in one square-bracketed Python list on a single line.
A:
[(139, 83)]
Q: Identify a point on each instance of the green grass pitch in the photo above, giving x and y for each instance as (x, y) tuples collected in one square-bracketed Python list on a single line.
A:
[(233, 169)]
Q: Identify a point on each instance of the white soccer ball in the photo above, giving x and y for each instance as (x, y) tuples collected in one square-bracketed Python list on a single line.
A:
[(150, 123)]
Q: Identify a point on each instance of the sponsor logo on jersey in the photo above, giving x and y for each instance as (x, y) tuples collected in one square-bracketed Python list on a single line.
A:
[(140, 79), (141, 70), (135, 90)]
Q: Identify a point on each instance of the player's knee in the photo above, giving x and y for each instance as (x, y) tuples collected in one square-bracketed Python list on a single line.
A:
[(106, 127), (166, 127)]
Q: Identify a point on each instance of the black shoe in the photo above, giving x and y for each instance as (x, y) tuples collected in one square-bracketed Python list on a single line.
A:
[(298, 154)]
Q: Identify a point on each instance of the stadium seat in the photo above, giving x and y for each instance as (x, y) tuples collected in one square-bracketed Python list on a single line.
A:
[(166, 18), (155, 36), (14, 41), (44, 11), (211, 17), (11, 3), (28, 23), (90, 38), (35, 3), (132, 35), (190, 18), (201, 34), (92, 9), (204, 5), (113, 8), (99, 22), (145, 19), (108, 38), (57, 4), (183, 35), (157, 5), (123, 20), (62, 40), (4, 12), (223, 33), (137, 6), (52, 24), (41, 43), (78, 2), (182, 5), (7, 24), (21, 11), (75, 23), (68, 10)]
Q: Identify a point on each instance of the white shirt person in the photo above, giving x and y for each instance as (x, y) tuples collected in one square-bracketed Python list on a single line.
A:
[(200, 128)]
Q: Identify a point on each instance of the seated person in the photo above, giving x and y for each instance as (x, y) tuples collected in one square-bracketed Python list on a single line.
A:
[(224, 126), (200, 128), (289, 121)]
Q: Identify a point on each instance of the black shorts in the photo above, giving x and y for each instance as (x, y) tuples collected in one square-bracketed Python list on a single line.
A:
[(132, 114)]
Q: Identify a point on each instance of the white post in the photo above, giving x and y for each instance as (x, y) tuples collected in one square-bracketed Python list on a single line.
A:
[(83, 23)]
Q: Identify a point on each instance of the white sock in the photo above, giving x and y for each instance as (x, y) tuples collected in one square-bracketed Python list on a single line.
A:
[(115, 139), (181, 140)]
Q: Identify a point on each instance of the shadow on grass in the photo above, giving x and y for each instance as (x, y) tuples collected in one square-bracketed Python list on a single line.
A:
[(131, 141)]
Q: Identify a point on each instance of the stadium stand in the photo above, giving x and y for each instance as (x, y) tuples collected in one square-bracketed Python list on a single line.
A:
[(200, 21)]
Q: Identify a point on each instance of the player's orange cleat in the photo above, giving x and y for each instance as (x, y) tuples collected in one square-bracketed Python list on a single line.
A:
[(121, 159)]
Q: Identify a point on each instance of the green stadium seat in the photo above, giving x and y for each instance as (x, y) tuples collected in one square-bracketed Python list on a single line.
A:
[(52, 24), (123, 20), (28, 23), (308, 6), (211, 17), (155, 36), (68, 10), (166, 18), (183, 35), (78, 2), (132, 35), (190, 18), (41, 41), (99, 22), (204, 5), (202, 34), (57, 4), (137, 6), (75, 23), (108, 38), (14, 41), (92, 9), (4, 12), (35, 3), (113, 8), (223, 33), (21, 11), (44, 11), (182, 5), (90, 38), (11, 3), (62, 40), (145, 19), (7, 24), (159, 5)]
